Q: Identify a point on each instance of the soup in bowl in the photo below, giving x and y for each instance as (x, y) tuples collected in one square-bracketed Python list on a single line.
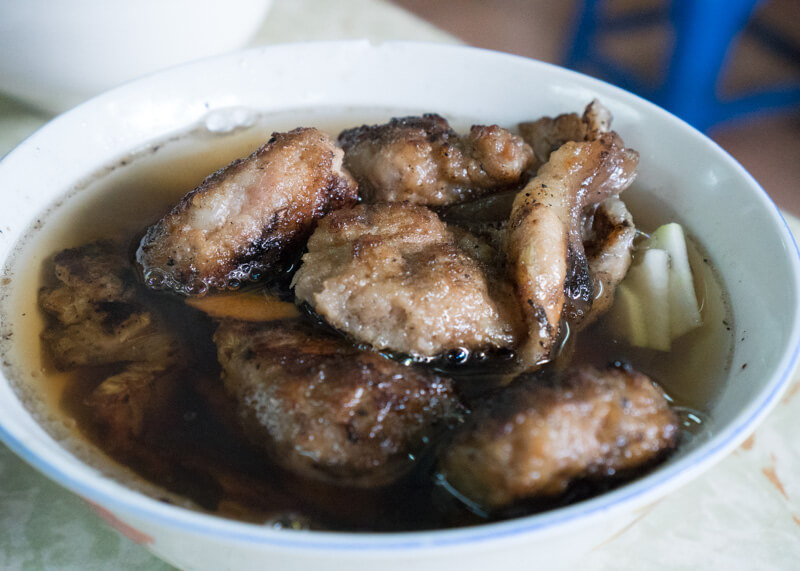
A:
[(115, 166)]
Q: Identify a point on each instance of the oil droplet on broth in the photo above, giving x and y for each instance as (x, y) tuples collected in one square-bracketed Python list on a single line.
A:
[(693, 422), (154, 278)]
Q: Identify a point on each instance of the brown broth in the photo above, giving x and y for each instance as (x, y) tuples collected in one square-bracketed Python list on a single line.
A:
[(192, 452)]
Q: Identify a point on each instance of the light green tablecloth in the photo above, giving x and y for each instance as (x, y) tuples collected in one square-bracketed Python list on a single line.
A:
[(743, 514)]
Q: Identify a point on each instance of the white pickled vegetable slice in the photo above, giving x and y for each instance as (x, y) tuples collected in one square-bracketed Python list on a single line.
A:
[(659, 294), (627, 317), (649, 282), (683, 307)]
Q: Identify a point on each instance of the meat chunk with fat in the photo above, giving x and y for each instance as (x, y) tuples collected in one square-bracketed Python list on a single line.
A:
[(96, 315), (90, 275), (124, 403), (110, 333), (571, 238), (544, 244), (547, 134), (244, 220), (608, 244), (97, 318), (536, 437), (327, 410), (422, 160), (395, 276)]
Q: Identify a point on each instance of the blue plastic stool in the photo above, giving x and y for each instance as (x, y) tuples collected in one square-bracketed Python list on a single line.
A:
[(704, 31)]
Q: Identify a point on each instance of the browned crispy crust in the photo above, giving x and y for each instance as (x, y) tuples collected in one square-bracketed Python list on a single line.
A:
[(242, 220), (547, 134), (97, 318), (538, 435), (546, 259), (422, 160), (327, 410), (395, 276)]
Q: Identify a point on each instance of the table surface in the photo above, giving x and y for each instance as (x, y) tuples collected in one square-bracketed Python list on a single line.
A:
[(742, 514)]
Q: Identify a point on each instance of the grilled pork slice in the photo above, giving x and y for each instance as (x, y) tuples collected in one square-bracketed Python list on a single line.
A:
[(98, 318), (547, 134), (608, 244), (327, 410), (395, 276), (422, 160), (537, 436), (244, 220), (544, 239)]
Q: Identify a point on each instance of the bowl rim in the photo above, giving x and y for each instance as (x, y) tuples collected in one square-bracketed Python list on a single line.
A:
[(95, 487)]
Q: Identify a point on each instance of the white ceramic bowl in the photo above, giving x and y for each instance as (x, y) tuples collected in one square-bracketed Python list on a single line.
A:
[(723, 207)]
